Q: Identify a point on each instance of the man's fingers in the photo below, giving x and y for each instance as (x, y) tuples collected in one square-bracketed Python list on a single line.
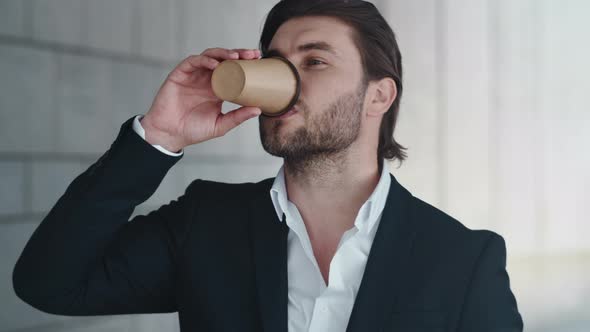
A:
[(221, 53), (230, 120), (194, 62), (248, 53), (211, 57)]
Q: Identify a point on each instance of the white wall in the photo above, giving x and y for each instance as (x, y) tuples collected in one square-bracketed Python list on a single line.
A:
[(494, 113)]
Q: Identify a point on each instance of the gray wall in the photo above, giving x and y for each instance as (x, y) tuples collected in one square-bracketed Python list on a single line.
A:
[(493, 115), (71, 72)]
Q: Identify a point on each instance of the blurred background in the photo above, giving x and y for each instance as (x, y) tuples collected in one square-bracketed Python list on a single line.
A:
[(492, 115)]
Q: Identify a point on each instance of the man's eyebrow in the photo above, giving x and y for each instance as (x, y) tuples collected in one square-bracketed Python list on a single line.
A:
[(319, 45)]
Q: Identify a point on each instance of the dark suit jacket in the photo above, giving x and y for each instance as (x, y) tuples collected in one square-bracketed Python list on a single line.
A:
[(218, 256)]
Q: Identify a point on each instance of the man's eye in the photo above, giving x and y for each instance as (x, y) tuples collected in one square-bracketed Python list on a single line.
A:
[(313, 62)]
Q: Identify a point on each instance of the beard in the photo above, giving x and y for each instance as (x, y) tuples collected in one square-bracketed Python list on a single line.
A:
[(324, 135)]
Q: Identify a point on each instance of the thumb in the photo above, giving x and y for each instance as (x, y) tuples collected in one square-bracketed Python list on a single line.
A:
[(230, 120)]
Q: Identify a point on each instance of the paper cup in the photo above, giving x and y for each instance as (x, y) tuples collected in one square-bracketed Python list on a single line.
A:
[(272, 84)]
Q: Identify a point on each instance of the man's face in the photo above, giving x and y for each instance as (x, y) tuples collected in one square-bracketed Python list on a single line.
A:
[(330, 106)]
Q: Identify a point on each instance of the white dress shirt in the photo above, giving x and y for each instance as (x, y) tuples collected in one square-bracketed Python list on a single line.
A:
[(314, 306), (141, 132)]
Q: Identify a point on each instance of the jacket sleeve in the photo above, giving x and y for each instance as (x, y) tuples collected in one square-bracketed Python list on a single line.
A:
[(141, 132), (489, 305), (87, 258)]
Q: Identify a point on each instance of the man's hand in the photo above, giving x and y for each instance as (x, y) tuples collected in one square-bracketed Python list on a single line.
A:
[(185, 110)]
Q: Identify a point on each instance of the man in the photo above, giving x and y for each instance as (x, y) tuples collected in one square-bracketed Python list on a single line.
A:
[(332, 243)]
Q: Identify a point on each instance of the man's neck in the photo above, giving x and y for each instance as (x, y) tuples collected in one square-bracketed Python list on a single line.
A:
[(331, 186), (328, 194)]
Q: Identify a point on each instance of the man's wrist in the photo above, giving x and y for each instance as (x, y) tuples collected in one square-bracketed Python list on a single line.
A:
[(138, 128), (156, 137)]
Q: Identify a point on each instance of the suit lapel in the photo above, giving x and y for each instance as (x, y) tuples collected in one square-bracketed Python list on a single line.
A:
[(269, 243), (386, 265)]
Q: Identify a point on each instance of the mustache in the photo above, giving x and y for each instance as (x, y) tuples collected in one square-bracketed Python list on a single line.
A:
[(300, 106)]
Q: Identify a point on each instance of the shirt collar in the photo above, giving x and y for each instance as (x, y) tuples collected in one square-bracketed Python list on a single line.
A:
[(278, 193), (368, 214)]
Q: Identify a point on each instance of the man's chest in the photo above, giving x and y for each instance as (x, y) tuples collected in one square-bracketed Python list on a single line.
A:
[(323, 283)]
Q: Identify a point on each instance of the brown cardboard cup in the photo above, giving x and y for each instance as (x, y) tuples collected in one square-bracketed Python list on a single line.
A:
[(272, 84)]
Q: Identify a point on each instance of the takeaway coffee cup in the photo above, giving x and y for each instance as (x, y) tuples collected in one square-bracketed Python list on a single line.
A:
[(272, 84)]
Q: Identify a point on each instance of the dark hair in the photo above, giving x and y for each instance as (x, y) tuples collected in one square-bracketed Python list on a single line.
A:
[(375, 41)]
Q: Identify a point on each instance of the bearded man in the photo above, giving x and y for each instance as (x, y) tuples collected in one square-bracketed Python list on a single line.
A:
[(332, 243)]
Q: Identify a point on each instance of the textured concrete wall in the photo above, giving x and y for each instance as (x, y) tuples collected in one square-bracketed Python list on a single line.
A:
[(71, 72)]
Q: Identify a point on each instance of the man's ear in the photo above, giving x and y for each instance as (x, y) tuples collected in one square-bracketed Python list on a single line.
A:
[(382, 94)]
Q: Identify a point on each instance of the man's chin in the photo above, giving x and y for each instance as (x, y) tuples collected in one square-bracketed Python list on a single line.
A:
[(280, 138), (279, 145), (280, 132)]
